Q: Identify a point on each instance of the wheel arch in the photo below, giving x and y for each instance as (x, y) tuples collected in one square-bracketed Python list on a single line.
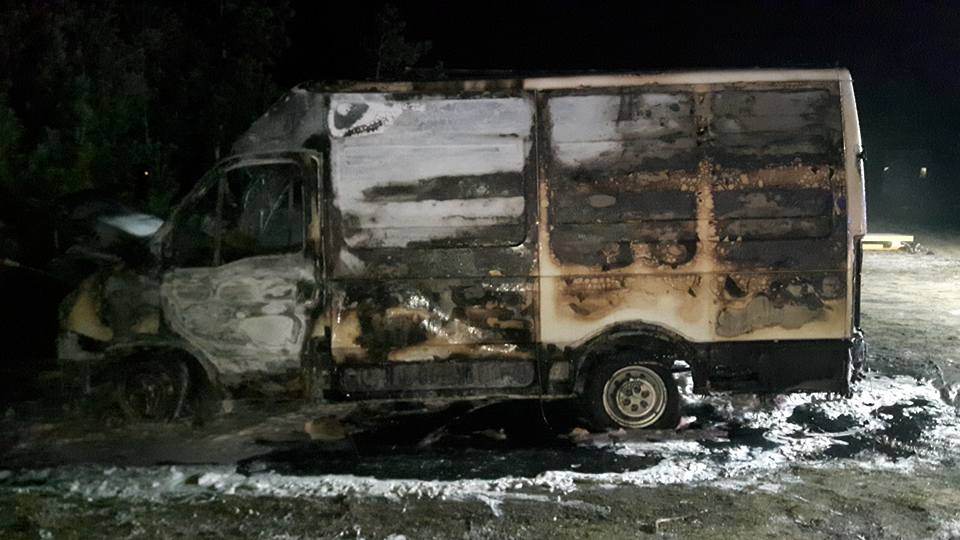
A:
[(201, 370), (664, 347)]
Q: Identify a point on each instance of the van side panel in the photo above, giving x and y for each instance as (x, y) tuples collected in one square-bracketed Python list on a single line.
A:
[(472, 233), (433, 242), (714, 211)]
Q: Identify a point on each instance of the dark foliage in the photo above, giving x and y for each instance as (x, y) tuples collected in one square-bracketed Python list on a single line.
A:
[(136, 98)]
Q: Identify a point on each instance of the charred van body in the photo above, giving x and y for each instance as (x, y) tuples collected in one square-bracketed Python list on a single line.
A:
[(555, 237)]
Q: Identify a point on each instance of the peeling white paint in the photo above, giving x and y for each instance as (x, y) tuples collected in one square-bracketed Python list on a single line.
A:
[(409, 142), (273, 331), (243, 316), (587, 128)]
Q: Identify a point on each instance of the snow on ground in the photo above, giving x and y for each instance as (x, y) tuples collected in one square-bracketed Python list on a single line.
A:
[(890, 423)]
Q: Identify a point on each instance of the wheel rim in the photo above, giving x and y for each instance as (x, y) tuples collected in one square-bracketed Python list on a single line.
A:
[(150, 395), (635, 397)]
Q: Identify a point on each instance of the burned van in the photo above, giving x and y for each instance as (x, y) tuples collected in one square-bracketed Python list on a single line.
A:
[(562, 237)]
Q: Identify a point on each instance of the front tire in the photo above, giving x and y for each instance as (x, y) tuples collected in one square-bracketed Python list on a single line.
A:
[(153, 391), (624, 392)]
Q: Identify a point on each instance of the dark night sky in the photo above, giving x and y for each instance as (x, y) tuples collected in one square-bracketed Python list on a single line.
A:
[(876, 39), (903, 56)]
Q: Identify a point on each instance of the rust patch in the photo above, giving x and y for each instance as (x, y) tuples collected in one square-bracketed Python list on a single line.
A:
[(732, 178), (754, 301), (594, 297), (83, 316), (437, 319)]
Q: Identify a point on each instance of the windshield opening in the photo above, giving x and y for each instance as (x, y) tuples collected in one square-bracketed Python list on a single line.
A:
[(244, 208)]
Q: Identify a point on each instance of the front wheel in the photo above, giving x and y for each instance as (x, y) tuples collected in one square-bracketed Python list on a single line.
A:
[(631, 394), (153, 391)]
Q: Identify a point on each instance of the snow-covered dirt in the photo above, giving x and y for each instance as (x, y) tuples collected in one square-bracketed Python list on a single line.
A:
[(911, 309), (891, 423)]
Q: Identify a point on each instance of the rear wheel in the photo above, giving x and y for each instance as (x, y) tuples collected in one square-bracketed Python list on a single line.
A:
[(629, 393)]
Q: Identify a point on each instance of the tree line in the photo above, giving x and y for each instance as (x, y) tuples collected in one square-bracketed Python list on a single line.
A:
[(138, 98), (129, 97)]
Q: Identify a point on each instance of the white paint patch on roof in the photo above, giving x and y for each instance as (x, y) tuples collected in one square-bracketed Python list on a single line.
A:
[(602, 80), (686, 77)]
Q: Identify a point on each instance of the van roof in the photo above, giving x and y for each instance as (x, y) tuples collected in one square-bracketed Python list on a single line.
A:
[(587, 80)]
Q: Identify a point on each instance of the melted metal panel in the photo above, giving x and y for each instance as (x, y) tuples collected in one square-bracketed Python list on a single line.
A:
[(656, 198), (768, 126), (114, 306), (475, 376), (289, 124), (246, 317), (432, 239), (788, 301), (627, 132), (415, 320), (452, 200)]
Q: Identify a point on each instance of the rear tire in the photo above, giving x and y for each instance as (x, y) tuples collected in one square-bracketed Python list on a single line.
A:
[(624, 392)]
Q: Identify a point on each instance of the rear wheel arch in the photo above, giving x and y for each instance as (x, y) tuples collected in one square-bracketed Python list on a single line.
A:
[(657, 344)]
